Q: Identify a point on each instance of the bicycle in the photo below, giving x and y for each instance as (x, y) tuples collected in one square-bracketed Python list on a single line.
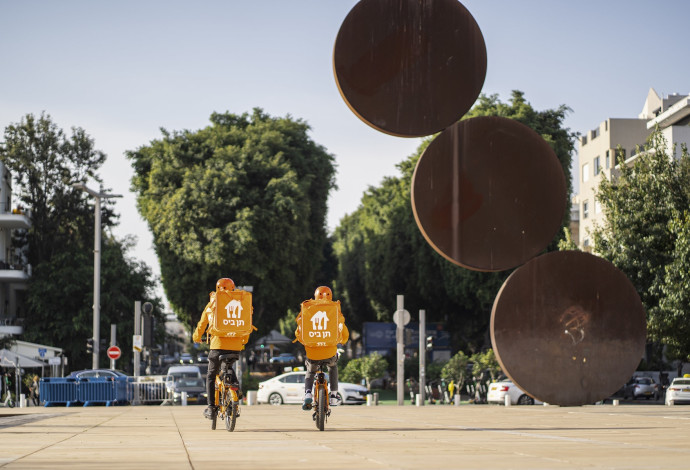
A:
[(322, 409), (227, 395)]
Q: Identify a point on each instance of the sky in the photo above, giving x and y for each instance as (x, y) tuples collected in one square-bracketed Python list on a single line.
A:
[(123, 70)]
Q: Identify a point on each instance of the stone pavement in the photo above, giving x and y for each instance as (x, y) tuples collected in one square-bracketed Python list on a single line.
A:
[(356, 437)]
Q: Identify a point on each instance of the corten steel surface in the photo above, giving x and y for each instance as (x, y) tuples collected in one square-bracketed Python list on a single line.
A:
[(569, 328), (409, 68), (488, 193)]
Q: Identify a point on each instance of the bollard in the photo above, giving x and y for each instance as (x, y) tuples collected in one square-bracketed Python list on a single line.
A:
[(370, 399), (22, 400), (376, 398), (456, 399), (616, 402), (506, 400), (183, 398), (251, 397), (418, 399)]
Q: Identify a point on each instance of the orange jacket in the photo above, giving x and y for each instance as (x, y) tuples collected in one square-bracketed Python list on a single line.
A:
[(217, 342), (316, 353)]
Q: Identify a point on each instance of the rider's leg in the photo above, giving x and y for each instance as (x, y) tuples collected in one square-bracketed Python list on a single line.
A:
[(213, 369), (308, 384), (333, 380)]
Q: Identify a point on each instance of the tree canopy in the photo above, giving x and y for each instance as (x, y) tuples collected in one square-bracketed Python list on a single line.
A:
[(44, 162), (245, 198), (381, 252), (645, 233)]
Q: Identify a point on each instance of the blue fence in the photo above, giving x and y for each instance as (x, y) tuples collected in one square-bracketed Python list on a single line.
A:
[(69, 391)]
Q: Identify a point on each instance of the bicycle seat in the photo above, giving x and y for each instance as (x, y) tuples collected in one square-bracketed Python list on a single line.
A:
[(224, 357)]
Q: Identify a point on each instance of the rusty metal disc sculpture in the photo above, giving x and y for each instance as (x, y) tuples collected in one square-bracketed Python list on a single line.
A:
[(488, 193), (409, 68), (568, 328)]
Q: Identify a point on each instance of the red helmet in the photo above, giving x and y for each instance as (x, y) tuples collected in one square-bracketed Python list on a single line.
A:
[(323, 293), (225, 284)]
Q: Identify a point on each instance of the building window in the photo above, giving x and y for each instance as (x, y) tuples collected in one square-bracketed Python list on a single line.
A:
[(586, 242), (597, 206), (608, 159), (585, 172), (585, 209), (594, 133), (621, 154), (597, 166)]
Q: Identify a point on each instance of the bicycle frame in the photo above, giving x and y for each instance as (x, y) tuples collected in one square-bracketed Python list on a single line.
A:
[(226, 397)]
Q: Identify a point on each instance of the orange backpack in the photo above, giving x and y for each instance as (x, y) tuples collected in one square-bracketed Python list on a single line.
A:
[(320, 323), (232, 315)]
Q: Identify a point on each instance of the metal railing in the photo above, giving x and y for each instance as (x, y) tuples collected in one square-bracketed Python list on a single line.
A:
[(148, 389)]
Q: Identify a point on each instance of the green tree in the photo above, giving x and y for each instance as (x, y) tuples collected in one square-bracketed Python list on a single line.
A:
[(645, 235), (381, 252), (456, 368), (485, 363), (44, 162), (373, 367), (352, 372), (243, 198), (672, 324)]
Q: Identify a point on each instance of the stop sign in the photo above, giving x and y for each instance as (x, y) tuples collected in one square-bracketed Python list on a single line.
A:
[(114, 352)]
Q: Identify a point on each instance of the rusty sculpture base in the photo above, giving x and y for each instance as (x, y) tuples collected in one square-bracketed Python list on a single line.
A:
[(568, 328)]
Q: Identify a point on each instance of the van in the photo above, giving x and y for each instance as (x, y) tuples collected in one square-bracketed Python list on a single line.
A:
[(183, 372), (176, 373)]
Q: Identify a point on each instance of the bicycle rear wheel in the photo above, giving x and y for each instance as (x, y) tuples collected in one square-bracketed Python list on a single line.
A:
[(231, 416), (214, 417), (321, 408)]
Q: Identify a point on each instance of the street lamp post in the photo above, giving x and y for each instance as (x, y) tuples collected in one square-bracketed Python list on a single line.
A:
[(96, 267)]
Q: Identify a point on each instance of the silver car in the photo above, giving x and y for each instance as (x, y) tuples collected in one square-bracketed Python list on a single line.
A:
[(641, 387)]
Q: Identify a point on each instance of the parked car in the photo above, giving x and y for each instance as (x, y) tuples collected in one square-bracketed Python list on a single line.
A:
[(186, 358), (195, 388), (177, 373), (202, 357), (289, 388), (96, 373), (641, 387), (679, 391), (499, 390), (283, 358)]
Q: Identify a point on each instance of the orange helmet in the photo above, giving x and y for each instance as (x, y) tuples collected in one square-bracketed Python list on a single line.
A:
[(323, 293), (225, 284)]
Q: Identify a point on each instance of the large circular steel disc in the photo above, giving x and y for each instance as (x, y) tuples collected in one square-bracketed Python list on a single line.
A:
[(488, 193), (409, 67), (568, 328)]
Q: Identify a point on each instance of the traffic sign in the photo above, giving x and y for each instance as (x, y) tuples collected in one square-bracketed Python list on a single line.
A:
[(114, 352), (403, 315)]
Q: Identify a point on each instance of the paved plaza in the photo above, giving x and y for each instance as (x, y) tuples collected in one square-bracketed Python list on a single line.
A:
[(356, 437)]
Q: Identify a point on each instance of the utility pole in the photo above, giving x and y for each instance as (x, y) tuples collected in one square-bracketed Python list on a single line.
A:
[(96, 267), (422, 356)]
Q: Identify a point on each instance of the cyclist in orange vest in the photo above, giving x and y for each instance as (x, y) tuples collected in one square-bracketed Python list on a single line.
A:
[(219, 345), (327, 355)]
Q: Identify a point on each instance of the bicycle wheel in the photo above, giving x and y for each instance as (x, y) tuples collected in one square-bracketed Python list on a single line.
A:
[(231, 416), (214, 417), (321, 408)]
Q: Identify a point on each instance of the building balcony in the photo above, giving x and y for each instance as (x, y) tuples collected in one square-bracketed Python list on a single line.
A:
[(672, 115), (16, 219), (14, 272)]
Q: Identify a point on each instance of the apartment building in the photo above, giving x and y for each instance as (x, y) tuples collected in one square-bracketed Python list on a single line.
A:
[(598, 147), (14, 271)]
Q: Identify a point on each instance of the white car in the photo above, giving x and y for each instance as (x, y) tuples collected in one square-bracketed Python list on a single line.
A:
[(679, 391), (289, 388), (498, 390)]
